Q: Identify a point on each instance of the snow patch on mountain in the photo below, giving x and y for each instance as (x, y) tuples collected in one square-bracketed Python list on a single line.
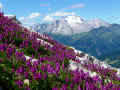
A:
[(74, 20), (69, 25)]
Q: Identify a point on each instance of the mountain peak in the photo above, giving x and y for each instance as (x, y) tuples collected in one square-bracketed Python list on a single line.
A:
[(74, 19)]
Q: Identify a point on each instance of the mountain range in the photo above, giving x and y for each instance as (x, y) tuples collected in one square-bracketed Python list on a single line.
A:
[(95, 37), (69, 25)]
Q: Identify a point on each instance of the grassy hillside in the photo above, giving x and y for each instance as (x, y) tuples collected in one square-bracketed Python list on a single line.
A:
[(31, 61)]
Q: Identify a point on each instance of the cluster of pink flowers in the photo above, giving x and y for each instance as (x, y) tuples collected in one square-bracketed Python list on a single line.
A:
[(50, 70)]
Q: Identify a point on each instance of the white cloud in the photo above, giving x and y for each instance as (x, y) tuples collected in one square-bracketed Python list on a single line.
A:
[(80, 5), (21, 18), (9, 15), (1, 5), (26, 21), (62, 13), (34, 15), (48, 18), (53, 16), (30, 19)]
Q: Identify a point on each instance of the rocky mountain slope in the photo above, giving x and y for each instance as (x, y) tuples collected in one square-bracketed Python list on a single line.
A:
[(33, 61)]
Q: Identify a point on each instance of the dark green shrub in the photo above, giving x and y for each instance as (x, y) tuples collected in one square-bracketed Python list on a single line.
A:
[(18, 41)]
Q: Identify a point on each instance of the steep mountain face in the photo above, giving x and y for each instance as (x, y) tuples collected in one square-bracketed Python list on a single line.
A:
[(33, 61), (95, 42), (69, 25), (100, 41)]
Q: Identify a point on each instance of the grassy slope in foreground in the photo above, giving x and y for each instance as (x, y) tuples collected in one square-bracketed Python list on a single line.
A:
[(50, 70)]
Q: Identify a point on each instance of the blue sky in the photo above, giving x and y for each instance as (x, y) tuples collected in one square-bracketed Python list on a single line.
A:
[(32, 11)]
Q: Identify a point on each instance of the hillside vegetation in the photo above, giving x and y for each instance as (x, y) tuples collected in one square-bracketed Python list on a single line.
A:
[(32, 61)]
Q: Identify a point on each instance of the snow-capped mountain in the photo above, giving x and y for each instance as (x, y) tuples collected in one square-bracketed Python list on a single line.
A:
[(69, 25), (74, 20)]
